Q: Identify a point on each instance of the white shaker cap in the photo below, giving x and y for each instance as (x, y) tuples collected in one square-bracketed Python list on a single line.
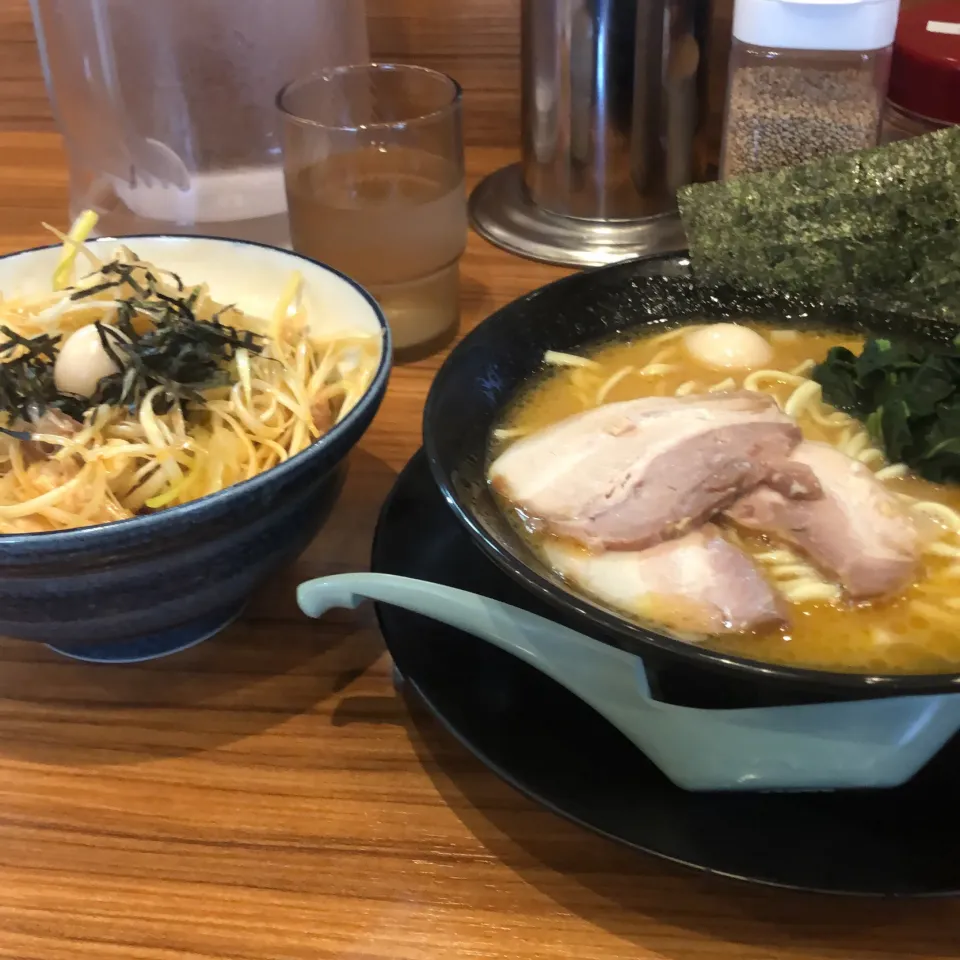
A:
[(853, 25)]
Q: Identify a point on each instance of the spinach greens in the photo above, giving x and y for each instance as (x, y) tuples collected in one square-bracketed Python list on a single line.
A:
[(908, 395)]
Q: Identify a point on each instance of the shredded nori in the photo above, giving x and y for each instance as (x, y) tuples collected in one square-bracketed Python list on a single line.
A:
[(180, 354), (27, 387), (177, 352), (879, 226)]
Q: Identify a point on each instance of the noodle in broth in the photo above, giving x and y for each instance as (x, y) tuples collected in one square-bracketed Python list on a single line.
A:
[(917, 631)]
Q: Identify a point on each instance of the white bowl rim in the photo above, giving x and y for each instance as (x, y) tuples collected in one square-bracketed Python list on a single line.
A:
[(96, 534)]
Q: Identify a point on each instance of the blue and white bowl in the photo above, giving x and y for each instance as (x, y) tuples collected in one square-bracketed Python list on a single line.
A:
[(140, 588)]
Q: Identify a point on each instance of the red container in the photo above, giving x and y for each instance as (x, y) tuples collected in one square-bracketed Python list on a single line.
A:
[(924, 93)]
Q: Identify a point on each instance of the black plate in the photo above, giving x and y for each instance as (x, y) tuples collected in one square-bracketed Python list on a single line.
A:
[(548, 744), (504, 354)]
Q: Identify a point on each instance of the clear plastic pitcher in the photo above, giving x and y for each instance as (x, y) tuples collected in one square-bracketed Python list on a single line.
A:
[(168, 107)]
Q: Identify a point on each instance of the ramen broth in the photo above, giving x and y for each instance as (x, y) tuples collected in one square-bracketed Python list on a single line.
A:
[(917, 631)]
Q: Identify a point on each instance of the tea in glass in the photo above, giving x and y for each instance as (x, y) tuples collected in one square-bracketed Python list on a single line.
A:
[(375, 187)]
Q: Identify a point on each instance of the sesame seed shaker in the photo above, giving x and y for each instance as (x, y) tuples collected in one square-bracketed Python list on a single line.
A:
[(807, 78)]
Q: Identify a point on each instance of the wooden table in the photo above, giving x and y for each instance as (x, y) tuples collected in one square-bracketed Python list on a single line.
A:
[(268, 796)]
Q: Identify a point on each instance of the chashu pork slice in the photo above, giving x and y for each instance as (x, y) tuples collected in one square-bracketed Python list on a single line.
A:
[(626, 476), (697, 584), (857, 531)]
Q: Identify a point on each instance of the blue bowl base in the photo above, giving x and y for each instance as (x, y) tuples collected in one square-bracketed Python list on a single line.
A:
[(152, 646)]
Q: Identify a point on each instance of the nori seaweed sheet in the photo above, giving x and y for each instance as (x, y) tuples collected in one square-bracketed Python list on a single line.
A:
[(879, 226)]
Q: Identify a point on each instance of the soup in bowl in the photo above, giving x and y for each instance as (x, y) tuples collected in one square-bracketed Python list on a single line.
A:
[(713, 479)]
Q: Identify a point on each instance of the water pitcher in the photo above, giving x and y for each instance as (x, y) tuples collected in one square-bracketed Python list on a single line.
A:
[(167, 106)]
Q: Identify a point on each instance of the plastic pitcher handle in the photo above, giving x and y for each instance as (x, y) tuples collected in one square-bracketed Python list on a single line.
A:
[(869, 743)]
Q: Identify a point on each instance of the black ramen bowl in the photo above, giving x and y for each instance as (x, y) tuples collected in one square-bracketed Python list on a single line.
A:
[(505, 355), (141, 588)]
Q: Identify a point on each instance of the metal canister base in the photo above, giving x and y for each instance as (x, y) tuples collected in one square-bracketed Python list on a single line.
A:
[(502, 213)]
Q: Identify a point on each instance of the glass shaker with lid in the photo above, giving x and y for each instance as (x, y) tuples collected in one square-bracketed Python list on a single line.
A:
[(925, 74), (807, 78)]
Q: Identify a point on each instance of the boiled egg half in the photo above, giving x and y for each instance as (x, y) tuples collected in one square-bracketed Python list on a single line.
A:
[(728, 346)]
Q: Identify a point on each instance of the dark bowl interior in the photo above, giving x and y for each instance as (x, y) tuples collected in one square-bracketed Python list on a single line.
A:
[(504, 354)]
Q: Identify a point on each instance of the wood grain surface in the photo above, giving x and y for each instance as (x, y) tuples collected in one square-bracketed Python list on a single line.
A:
[(269, 796)]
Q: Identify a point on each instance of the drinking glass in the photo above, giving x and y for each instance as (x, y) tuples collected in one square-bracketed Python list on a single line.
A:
[(373, 158)]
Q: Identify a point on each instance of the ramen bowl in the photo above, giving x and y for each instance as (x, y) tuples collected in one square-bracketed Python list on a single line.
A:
[(504, 355), (139, 588)]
